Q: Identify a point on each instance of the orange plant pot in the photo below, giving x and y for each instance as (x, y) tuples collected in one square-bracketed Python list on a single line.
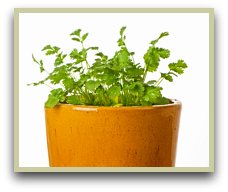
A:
[(89, 136)]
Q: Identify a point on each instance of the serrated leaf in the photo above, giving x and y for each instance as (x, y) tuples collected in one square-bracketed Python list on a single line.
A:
[(50, 52), (69, 83), (120, 42), (160, 36), (163, 34), (136, 88), (163, 53), (152, 59), (58, 74), (92, 85), (152, 94), (114, 91), (82, 80), (122, 30), (134, 72), (100, 54), (85, 36), (178, 67), (59, 93), (167, 76), (162, 101), (123, 58), (92, 48), (73, 99), (51, 102), (76, 32), (59, 59), (56, 49), (76, 39), (74, 54), (47, 47), (41, 66)]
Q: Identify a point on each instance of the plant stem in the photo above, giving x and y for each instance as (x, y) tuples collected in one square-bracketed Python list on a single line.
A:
[(48, 86), (145, 74), (87, 63), (159, 81), (133, 59)]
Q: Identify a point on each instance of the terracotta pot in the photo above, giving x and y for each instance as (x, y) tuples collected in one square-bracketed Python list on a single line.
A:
[(87, 136)]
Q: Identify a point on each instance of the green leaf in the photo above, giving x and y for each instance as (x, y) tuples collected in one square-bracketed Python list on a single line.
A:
[(39, 63), (92, 85), (59, 59), (51, 50), (85, 36), (152, 82), (114, 91), (152, 59), (69, 83), (122, 30), (122, 59), (41, 66), (83, 79), (134, 72), (161, 36), (51, 102), (167, 76), (136, 88), (47, 47), (152, 94), (118, 80), (172, 73), (74, 54), (120, 42), (59, 93), (92, 48), (178, 67), (58, 74), (76, 32), (73, 99), (162, 101), (100, 54), (56, 49), (76, 39), (163, 53), (34, 59)]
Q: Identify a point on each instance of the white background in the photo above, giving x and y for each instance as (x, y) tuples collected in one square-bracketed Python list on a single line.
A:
[(112, 182), (188, 40)]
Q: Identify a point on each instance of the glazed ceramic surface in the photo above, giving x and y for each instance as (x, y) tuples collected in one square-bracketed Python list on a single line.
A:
[(85, 136)]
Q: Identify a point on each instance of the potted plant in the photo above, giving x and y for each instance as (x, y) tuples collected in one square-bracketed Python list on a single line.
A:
[(107, 113)]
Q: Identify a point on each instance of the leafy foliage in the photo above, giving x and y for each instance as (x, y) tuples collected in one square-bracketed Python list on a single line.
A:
[(115, 81)]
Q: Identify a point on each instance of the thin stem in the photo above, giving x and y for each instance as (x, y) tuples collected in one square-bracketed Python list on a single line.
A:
[(159, 81), (87, 63), (133, 59), (48, 86), (145, 74), (43, 68)]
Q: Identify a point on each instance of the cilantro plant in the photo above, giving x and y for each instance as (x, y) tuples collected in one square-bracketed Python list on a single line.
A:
[(115, 81)]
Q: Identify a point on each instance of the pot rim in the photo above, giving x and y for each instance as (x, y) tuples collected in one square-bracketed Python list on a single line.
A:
[(175, 102)]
